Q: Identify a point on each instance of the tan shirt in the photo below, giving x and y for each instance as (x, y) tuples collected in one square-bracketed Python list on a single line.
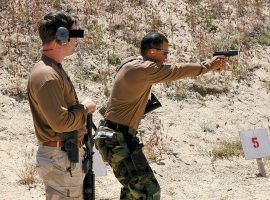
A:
[(132, 85), (53, 102)]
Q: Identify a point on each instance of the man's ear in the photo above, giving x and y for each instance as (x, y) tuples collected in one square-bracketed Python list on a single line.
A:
[(149, 53), (50, 45)]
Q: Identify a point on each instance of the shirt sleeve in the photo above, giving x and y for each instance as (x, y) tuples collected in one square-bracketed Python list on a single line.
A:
[(164, 73), (52, 105)]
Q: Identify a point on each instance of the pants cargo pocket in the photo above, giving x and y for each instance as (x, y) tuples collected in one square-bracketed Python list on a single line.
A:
[(105, 140), (44, 166), (57, 193), (61, 161)]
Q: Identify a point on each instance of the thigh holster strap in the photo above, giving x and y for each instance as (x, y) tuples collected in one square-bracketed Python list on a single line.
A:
[(136, 165)]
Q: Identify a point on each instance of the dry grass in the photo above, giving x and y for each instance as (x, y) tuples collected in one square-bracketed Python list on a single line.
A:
[(156, 143), (27, 173), (208, 90), (177, 90), (266, 85), (262, 38), (19, 24), (94, 37), (114, 59), (16, 90), (241, 27), (227, 150)]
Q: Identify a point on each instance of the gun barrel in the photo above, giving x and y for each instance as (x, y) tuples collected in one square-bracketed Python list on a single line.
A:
[(226, 53)]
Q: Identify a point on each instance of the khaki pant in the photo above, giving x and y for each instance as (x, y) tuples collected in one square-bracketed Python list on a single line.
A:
[(63, 180)]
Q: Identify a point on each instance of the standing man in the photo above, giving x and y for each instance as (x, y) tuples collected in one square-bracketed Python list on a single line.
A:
[(57, 113), (116, 137)]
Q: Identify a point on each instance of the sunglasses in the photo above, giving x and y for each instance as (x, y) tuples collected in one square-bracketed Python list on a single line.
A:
[(165, 52)]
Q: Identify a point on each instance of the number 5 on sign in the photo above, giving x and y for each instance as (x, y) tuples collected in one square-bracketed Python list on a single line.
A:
[(255, 143)]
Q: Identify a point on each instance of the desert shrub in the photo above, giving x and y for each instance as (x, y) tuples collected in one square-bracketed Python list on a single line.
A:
[(206, 126), (261, 38), (227, 150), (27, 173), (114, 59)]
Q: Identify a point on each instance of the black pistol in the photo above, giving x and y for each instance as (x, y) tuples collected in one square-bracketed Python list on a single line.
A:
[(152, 104), (226, 53)]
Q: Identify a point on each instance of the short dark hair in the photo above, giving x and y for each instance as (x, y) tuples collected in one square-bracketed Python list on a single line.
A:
[(51, 22), (152, 40)]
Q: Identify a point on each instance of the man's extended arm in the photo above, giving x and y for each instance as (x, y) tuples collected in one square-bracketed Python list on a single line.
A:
[(154, 73)]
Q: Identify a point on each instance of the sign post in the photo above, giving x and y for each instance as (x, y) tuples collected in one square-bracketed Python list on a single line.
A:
[(256, 145), (261, 167)]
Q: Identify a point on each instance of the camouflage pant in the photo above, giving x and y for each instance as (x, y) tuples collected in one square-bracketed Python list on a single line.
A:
[(130, 166), (55, 170)]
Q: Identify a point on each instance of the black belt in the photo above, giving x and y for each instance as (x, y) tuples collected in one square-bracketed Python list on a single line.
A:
[(128, 133), (119, 127)]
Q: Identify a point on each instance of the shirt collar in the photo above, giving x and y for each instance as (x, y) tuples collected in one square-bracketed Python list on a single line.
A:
[(50, 61)]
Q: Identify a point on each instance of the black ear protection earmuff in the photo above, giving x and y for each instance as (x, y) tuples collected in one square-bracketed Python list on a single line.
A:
[(63, 34)]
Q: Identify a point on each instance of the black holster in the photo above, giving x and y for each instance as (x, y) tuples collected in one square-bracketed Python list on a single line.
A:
[(71, 146), (137, 165)]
